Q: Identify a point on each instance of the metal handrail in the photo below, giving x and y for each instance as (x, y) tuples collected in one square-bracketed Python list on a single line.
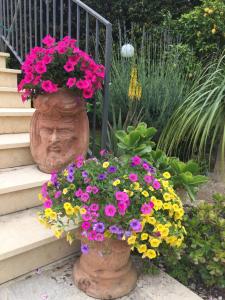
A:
[(23, 24)]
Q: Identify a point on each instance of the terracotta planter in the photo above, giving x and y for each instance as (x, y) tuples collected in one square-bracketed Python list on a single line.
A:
[(59, 130), (106, 271)]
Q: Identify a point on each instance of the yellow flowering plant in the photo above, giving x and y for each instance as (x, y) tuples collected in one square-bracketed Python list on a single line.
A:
[(112, 198)]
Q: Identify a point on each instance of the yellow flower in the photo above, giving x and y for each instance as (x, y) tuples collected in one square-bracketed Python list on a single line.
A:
[(155, 243), (131, 240), (125, 176), (151, 188), (165, 183), (206, 9), (107, 234), (49, 183), (145, 194), (159, 204), (116, 182), (69, 238), (105, 164), (76, 209), (150, 254), (72, 186), (151, 220), (160, 227), (69, 211), (144, 236), (67, 205), (142, 248), (48, 211), (210, 11), (167, 205), (165, 232), (175, 207), (40, 197), (166, 175), (167, 197), (136, 186), (179, 243), (83, 211), (65, 173), (58, 233), (53, 215), (213, 30), (65, 191)]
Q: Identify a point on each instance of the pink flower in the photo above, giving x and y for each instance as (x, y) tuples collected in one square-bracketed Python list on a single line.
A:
[(48, 203), (99, 237), (148, 179), (78, 193), (121, 196), (57, 194), (86, 217), (82, 84), (102, 152), (48, 40), (68, 67), (133, 177), (110, 210), (85, 197), (146, 208), (48, 86), (36, 80), (88, 93), (21, 85), (29, 77), (89, 189), (122, 207), (156, 184), (47, 59), (136, 160), (91, 235), (86, 225), (146, 166), (94, 207), (40, 68), (95, 190), (71, 82)]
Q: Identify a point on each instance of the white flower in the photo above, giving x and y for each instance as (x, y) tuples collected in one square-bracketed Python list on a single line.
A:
[(127, 51)]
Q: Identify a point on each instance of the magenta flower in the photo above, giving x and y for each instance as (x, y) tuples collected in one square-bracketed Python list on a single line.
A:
[(89, 189), (99, 237), (86, 225), (121, 196), (148, 179), (136, 160), (133, 177), (146, 166), (40, 67), (122, 207), (48, 86), (94, 207), (156, 184), (48, 203), (29, 77), (48, 40), (57, 194), (95, 190), (82, 84), (88, 93), (86, 217), (78, 193), (91, 235), (146, 208), (102, 152), (68, 67), (71, 82), (110, 210), (85, 197)]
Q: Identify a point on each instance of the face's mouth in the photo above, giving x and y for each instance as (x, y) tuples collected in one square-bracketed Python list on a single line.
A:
[(54, 148)]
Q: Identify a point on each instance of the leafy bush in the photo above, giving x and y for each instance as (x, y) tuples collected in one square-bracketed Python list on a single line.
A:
[(203, 27), (138, 141), (203, 257)]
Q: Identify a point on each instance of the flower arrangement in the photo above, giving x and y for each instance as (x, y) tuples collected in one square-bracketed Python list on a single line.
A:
[(111, 198), (60, 65)]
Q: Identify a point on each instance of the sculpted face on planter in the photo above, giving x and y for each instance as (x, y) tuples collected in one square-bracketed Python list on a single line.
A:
[(59, 130)]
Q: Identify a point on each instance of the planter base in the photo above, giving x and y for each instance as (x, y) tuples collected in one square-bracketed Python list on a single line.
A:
[(102, 284)]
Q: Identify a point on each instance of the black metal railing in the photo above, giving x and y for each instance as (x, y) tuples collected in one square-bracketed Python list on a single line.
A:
[(23, 24)]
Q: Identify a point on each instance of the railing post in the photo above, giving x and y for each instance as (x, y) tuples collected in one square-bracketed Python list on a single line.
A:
[(108, 57), (1, 27)]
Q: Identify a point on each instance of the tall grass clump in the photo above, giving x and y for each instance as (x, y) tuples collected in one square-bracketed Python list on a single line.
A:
[(198, 124)]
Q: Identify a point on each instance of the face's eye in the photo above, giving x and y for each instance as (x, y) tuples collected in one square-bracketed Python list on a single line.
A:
[(46, 131)]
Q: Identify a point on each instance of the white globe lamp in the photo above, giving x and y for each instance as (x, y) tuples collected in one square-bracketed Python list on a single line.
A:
[(127, 51)]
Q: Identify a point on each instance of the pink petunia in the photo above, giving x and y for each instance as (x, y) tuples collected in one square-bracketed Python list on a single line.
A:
[(85, 225), (99, 237), (28, 77), (110, 210), (83, 84), (48, 86), (156, 184), (121, 196), (148, 179), (71, 82), (48, 203), (94, 207), (86, 217), (78, 193), (88, 93), (68, 67), (95, 190), (85, 197), (91, 235), (48, 40), (47, 59), (136, 160), (146, 208), (133, 177), (40, 68)]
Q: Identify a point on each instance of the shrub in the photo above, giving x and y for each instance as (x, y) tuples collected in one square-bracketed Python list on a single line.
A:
[(203, 256)]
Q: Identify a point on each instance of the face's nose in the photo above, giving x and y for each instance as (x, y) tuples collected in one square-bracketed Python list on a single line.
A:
[(54, 136)]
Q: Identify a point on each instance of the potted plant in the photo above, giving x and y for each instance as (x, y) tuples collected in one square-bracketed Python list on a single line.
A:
[(117, 206), (59, 77)]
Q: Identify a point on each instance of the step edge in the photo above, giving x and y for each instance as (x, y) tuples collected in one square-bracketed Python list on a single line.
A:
[(10, 71), (4, 54), (21, 187)]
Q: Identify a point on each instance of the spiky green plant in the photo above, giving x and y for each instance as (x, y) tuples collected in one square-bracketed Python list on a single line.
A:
[(199, 122)]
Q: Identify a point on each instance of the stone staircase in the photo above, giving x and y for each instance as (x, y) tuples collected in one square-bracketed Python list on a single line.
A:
[(25, 245)]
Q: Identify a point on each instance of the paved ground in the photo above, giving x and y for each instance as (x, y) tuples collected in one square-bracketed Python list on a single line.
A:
[(54, 282)]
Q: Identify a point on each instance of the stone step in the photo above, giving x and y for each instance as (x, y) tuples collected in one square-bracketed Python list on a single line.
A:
[(3, 58), (27, 245), (15, 150), (10, 98), (19, 188), (15, 120), (8, 77)]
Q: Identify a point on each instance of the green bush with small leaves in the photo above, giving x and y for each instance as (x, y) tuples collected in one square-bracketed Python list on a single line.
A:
[(203, 257)]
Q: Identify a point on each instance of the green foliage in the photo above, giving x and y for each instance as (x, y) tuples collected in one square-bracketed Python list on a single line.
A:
[(200, 118), (138, 141), (204, 27), (204, 255)]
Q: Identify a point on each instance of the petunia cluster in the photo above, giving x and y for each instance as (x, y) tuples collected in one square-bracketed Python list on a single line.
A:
[(60, 65), (111, 198)]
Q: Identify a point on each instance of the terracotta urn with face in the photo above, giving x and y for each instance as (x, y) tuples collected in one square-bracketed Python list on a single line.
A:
[(59, 130), (106, 271)]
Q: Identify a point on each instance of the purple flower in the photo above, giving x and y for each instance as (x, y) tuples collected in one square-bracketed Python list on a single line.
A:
[(114, 229), (99, 227), (145, 166), (135, 225), (57, 194), (54, 177), (112, 169), (70, 178), (102, 176), (84, 174), (71, 170), (127, 233), (48, 203), (84, 249)]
